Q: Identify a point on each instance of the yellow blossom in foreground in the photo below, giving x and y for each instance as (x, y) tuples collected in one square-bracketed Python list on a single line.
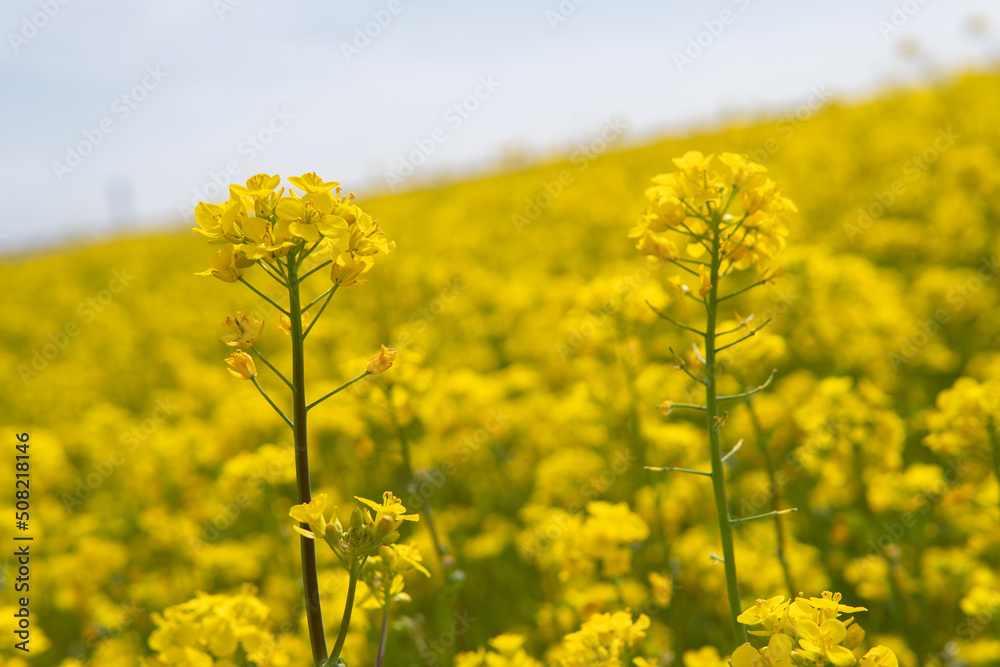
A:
[(312, 514), (242, 331), (382, 361), (241, 365)]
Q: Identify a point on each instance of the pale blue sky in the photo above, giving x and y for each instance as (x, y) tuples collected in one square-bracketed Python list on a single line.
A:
[(200, 78)]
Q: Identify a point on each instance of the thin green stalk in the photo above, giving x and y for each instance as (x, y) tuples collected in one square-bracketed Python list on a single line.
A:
[(271, 403), (264, 296), (345, 623), (271, 366), (326, 303), (991, 429), (779, 527), (715, 446), (405, 447), (383, 637), (337, 390), (310, 582)]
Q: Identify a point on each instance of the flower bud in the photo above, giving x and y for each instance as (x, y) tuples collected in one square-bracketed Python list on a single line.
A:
[(385, 524), (390, 538), (242, 366), (356, 520), (381, 362), (388, 555)]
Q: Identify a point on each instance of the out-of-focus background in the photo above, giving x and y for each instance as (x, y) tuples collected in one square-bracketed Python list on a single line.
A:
[(117, 115), (506, 149)]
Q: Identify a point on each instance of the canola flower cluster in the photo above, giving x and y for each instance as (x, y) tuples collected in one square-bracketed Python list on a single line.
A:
[(526, 394)]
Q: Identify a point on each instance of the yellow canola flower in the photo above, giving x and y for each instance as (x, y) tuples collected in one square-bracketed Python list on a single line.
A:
[(823, 641), (228, 264), (241, 365), (382, 361), (391, 510), (777, 653), (242, 331), (311, 513)]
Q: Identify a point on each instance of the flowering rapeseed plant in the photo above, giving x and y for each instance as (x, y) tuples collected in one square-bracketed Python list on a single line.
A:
[(729, 217), (290, 237)]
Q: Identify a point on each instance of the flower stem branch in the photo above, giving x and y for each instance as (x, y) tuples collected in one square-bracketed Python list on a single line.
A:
[(740, 340), (263, 296), (687, 470), (330, 293), (337, 390), (271, 403), (271, 366), (765, 514), (745, 394), (673, 321)]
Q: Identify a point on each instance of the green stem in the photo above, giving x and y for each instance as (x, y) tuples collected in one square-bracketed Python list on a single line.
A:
[(383, 637), (715, 446), (348, 608), (779, 528), (264, 296), (991, 428), (314, 270), (337, 390), (271, 366), (269, 271), (310, 582), (404, 442), (272, 404), (333, 290)]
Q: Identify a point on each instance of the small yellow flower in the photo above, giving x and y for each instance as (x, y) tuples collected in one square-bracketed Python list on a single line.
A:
[(346, 270), (391, 509), (242, 331), (227, 264), (706, 281), (823, 641), (655, 246), (879, 656), (242, 365), (382, 361), (312, 514)]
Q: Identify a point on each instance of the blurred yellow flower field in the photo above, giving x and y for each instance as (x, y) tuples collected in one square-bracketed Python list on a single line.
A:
[(516, 383)]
